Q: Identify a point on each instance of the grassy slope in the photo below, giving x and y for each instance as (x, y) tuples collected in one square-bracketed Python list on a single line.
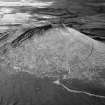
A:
[(14, 88), (23, 88)]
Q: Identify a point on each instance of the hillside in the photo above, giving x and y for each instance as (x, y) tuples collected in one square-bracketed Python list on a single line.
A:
[(49, 53)]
